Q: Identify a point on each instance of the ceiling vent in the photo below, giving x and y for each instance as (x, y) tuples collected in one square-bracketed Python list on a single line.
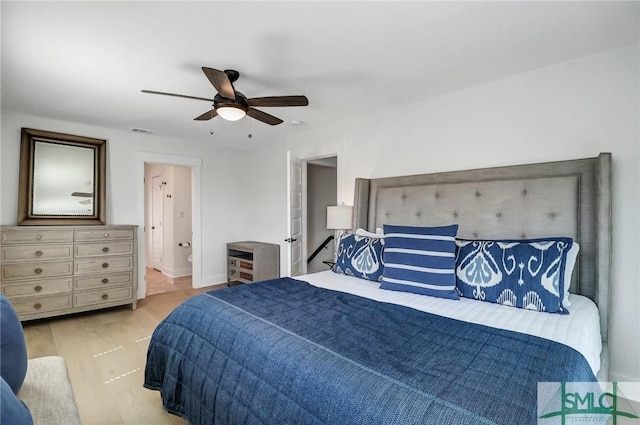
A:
[(141, 131)]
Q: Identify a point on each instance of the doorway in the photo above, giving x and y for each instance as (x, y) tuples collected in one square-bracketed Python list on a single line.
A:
[(321, 192), (168, 236)]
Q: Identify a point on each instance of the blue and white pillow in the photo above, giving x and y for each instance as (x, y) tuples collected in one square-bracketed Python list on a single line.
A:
[(527, 274), (420, 260), (360, 256), (12, 410), (13, 346)]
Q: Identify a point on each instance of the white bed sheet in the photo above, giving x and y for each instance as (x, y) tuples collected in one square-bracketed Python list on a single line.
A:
[(579, 330)]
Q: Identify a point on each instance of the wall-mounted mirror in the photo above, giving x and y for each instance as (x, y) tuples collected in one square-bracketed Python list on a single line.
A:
[(62, 179)]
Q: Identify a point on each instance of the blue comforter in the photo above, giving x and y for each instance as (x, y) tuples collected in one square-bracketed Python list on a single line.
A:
[(285, 352)]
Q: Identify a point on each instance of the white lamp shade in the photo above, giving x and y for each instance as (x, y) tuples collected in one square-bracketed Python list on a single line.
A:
[(339, 217), (230, 113)]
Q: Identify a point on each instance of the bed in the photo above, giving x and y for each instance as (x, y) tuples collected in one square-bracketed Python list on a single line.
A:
[(330, 348)]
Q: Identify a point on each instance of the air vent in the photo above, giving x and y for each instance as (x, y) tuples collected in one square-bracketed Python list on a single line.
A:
[(141, 131)]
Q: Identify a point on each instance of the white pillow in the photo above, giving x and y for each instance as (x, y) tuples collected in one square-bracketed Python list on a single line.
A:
[(379, 233)]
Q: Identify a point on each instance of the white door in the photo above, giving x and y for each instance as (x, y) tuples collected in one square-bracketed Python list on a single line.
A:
[(157, 217), (294, 214)]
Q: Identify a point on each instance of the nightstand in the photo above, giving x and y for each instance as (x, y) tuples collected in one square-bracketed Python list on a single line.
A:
[(251, 261)]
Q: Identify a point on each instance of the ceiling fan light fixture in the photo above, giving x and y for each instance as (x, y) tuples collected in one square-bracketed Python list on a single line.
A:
[(231, 113)]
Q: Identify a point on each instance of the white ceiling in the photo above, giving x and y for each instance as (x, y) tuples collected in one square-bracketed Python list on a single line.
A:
[(86, 62)]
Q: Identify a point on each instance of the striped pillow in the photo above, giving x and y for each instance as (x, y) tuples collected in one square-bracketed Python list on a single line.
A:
[(420, 260)]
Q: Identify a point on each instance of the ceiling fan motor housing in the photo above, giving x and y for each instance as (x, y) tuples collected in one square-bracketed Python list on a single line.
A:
[(239, 102), (232, 74)]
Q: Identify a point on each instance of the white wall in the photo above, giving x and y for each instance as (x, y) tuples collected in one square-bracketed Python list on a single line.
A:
[(219, 200), (571, 110), (181, 222)]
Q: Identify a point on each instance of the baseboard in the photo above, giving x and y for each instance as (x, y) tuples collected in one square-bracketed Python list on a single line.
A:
[(618, 377), (211, 281), (176, 273)]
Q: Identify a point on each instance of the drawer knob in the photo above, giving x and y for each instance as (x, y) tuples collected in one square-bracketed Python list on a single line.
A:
[(105, 249), (105, 296), (38, 288), (105, 280), (37, 306), (106, 235), (38, 270), (39, 237), (105, 265), (38, 253)]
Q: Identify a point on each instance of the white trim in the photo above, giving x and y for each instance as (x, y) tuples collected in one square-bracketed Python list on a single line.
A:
[(437, 288), (420, 252), (196, 212), (418, 269)]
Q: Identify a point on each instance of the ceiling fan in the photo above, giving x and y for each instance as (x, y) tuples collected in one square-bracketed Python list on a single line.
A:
[(232, 105)]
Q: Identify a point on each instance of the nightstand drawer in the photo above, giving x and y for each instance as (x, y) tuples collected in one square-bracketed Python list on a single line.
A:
[(99, 281), (102, 297), (108, 248), (26, 306), (34, 236), (33, 270), (36, 252), (103, 235), (97, 265), (38, 287)]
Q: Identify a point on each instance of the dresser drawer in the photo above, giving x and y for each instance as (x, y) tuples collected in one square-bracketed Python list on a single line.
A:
[(38, 287), (26, 306), (36, 269), (36, 252), (101, 297), (101, 265), (107, 248), (104, 280), (103, 235), (34, 236)]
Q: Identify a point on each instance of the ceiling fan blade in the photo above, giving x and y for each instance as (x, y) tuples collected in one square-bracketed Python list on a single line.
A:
[(207, 115), (264, 117), (220, 81), (279, 101), (82, 194), (177, 95)]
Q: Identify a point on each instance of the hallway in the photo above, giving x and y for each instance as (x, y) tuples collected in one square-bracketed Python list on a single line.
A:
[(157, 283)]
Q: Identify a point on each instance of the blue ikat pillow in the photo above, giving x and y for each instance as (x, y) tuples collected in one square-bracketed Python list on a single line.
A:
[(527, 274), (360, 256), (420, 260)]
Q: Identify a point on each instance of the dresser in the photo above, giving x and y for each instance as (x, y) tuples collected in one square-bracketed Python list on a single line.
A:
[(250, 261), (53, 270)]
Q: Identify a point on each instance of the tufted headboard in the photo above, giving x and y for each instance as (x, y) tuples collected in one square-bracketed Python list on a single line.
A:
[(565, 198)]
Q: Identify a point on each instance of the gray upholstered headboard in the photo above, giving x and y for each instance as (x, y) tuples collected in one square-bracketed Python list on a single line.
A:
[(566, 198)]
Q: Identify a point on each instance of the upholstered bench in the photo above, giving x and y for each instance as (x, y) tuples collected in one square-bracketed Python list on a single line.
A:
[(32, 392), (47, 392)]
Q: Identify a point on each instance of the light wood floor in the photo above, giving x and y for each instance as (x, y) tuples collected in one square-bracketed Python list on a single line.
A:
[(158, 283), (106, 352)]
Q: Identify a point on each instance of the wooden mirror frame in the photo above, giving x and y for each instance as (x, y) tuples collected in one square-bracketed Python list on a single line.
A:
[(25, 199)]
